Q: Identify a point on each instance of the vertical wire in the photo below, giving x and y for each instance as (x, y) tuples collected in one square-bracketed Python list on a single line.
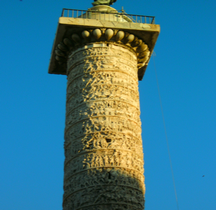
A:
[(165, 132)]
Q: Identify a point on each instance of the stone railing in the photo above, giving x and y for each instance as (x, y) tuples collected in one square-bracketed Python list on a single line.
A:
[(74, 13)]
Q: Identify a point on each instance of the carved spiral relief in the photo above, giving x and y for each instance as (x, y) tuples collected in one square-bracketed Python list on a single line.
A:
[(103, 166)]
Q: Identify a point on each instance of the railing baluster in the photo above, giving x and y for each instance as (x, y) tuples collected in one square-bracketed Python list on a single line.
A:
[(107, 16)]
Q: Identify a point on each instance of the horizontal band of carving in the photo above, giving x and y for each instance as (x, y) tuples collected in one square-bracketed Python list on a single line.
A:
[(115, 95), (80, 166), (101, 185), (78, 154), (66, 144), (102, 85), (101, 70), (107, 116), (132, 149), (101, 167), (95, 150), (72, 67), (136, 137), (110, 85), (88, 67), (72, 122), (99, 100), (92, 53)]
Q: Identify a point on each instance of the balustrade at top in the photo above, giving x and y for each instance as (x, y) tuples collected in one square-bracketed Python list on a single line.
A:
[(118, 16)]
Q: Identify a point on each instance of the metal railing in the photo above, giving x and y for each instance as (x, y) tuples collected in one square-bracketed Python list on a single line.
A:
[(118, 16)]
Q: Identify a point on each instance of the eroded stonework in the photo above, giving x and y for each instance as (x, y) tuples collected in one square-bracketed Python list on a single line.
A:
[(103, 166)]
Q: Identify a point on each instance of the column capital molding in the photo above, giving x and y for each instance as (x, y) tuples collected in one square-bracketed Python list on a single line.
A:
[(73, 33), (101, 35)]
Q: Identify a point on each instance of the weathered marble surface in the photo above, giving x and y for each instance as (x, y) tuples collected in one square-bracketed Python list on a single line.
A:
[(103, 148)]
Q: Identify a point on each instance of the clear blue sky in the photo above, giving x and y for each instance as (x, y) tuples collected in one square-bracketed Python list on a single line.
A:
[(32, 106)]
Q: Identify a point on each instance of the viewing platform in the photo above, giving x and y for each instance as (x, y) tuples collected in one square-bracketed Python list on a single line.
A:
[(102, 15)]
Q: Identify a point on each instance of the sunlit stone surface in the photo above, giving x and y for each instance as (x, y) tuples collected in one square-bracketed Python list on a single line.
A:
[(103, 147), (103, 55)]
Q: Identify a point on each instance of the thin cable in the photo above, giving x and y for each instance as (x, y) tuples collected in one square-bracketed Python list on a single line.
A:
[(165, 132)]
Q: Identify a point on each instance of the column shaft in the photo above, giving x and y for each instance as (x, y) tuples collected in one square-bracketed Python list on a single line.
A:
[(103, 148)]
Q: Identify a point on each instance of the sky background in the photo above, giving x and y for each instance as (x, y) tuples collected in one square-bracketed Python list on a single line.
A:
[(32, 105)]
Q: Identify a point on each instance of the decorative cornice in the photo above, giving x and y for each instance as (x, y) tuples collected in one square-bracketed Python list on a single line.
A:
[(105, 35)]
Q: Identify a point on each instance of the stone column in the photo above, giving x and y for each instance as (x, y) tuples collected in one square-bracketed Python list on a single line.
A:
[(103, 55), (103, 146)]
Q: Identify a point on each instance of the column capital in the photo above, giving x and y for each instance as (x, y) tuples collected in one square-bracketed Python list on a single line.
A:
[(73, 33)]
